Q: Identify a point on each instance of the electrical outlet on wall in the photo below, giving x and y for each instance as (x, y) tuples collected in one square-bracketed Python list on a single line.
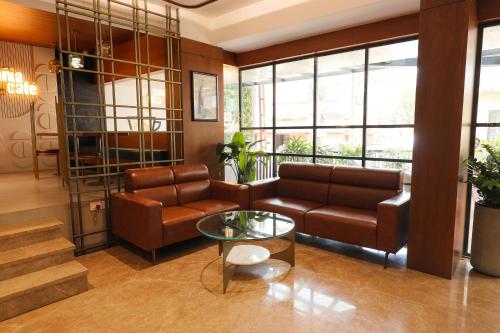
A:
[(97, 205)]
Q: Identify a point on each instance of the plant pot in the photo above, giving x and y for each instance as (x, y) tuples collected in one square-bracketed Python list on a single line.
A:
[(485, 250)]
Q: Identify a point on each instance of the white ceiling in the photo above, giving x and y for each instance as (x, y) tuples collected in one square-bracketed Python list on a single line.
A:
[(221, 6), (243, 25)]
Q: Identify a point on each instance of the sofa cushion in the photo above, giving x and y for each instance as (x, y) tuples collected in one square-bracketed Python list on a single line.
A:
[(358, 197), (368, 177), (304, 181), (350, 225), (167, 195), (303, 190), (305, 171), (293, 208), (179, 223), (192, 191), (148, 177), (212, 206), (190, 173)]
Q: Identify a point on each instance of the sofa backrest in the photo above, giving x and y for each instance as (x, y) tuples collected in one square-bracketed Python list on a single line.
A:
[(191, 182), (304, 181), (363, 188), (155, 183)]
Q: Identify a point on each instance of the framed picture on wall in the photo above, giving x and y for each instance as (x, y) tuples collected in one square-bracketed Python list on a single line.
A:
[(204, 96)]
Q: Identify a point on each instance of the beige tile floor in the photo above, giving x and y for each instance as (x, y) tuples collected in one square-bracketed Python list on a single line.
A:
[(332, 288), (21, 191)]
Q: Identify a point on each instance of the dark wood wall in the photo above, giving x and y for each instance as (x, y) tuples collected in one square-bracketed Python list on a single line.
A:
[(443, 108), (200, 137)]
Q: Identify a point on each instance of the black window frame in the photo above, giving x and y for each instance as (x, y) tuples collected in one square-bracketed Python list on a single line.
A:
[(365, 127), (474, 126)]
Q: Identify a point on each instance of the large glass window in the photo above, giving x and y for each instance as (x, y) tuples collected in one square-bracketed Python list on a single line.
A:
[(231, 102), (294, 93), (354, 107), (486, 118), (257, 97), (392, 75), (341, 89)]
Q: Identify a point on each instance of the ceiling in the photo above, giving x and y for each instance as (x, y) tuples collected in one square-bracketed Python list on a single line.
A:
[(243, 25), (221, 7)]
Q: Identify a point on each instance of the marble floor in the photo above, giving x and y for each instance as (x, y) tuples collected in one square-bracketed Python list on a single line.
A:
[(332, 288)]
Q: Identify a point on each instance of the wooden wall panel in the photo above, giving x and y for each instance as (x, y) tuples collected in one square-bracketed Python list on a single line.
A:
[(37, 27), (200, 138), (437, 197), (426, 4), (488, 10), (229, 58), (365, 34), (27, 25)]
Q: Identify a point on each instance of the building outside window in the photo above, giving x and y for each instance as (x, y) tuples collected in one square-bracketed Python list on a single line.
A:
[(231, 100), (353, 107)]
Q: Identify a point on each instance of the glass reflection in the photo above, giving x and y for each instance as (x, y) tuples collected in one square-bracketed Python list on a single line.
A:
[(307, 300), (245, 225)]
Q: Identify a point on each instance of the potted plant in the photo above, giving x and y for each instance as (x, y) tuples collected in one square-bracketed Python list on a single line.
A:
[(240, 156), (485, 177)]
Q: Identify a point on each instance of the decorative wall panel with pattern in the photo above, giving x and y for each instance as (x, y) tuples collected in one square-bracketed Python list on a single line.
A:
[(15, 133)]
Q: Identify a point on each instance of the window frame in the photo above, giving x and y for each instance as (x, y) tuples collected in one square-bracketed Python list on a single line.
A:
[(314, 156), (473, 128)]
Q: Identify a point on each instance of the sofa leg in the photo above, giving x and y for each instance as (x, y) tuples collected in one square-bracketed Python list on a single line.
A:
[(153, 256), (386, 261)]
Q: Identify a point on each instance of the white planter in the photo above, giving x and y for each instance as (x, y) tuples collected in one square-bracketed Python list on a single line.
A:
[(485, 250)]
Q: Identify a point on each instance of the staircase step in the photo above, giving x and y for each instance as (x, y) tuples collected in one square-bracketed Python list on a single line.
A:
[(34, 290), (37, 256), (19, 235)]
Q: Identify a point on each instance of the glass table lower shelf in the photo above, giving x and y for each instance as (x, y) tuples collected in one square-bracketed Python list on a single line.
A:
[(244, 255), (236, 227)]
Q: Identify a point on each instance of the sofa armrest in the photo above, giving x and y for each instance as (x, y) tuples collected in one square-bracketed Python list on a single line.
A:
[(392, 222), (237, 193), (262, 189), (138, 220)]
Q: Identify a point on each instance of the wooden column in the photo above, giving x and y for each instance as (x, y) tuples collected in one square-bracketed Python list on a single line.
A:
[(201, 137), (447, 46)]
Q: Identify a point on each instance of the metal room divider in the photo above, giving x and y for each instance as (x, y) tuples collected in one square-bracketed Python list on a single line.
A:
[(119, 101)]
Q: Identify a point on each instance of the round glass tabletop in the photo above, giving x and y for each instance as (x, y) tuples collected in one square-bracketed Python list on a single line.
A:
[(245, 225)]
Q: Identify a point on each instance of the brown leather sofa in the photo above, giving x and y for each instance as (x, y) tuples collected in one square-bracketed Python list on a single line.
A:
[(161, 205), (360, 206)]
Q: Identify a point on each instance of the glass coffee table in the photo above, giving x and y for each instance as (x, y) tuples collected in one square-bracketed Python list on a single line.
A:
[(233, 228)]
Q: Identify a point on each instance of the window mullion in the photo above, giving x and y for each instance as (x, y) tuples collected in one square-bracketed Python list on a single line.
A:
[(240, 100), (315, 83), (365, 109), (274, 122)]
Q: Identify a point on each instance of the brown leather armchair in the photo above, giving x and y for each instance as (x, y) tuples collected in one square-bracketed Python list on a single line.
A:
[(361, 206), (161, 205)]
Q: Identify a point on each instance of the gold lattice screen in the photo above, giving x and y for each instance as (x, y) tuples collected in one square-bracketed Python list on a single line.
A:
[(20, 58)]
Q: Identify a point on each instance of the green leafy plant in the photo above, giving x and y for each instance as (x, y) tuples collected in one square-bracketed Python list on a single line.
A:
[(240, 156), (295, 145), (301, 146), (485, 176)]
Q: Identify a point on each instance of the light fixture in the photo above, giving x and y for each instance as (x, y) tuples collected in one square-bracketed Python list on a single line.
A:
[(76, 60), (54, 66)]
